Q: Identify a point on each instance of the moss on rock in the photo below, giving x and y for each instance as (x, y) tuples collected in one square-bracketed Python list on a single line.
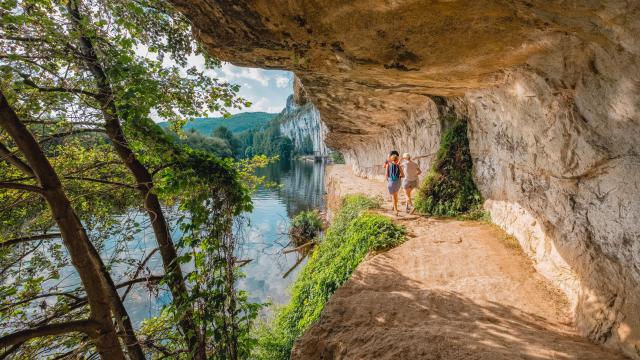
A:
[(448, 189)]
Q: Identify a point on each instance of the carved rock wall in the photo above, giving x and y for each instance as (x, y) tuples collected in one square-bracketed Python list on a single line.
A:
[(551, 90), (556, 154)]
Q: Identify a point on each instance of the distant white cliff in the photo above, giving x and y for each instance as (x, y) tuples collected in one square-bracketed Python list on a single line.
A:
[(302, 121)]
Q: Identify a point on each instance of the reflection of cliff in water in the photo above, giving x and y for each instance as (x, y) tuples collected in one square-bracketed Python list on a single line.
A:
[(265, 232), (301, 184)]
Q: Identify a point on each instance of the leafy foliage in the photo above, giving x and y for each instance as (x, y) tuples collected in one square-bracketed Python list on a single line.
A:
[(305, 226), (448, 189), (209, 144), (354, 233), (337, 157), (227, 136), (47, 80), (267, 141)]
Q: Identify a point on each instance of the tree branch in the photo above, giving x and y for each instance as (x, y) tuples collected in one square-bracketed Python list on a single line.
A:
[(18, 186), (150, 278), (142, 265), (27, 81), (70, 132), (19, 258), (21, 38), (69, 295), (89, 327), (115, 183), (11, 158), (18, 240), (54, 122)]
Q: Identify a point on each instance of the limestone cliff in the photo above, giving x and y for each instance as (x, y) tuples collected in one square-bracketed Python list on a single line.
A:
[(300, 122), (551, 90)]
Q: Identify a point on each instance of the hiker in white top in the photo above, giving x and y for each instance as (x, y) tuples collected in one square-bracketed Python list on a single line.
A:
[(411, 172)]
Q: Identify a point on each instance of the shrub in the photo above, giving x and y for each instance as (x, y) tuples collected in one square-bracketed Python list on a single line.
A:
[(305, 226), (353, 234), (337, 157), (476, 213), (448, 189)]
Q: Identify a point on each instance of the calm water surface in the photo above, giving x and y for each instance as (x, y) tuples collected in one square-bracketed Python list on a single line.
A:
[(301, 188), (262, 238)]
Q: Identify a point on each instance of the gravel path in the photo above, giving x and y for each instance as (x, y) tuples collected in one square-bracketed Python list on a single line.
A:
[(454, 290)]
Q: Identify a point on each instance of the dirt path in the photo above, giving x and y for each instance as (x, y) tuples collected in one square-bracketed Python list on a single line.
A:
[(455, 290)]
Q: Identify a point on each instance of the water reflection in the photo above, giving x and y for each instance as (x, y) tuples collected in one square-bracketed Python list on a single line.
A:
[(262, 238), (301, 188)]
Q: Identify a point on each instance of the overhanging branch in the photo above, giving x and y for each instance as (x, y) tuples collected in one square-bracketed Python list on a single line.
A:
[(107, 182), (27, 81), (150, 278), (41, 296), (11, 158), (70, 132), (89, 327), (141, 266), (18, 186), (19, 240)]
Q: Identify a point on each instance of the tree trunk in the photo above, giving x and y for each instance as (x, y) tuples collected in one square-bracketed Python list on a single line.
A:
[(144, 181), (83, 254)]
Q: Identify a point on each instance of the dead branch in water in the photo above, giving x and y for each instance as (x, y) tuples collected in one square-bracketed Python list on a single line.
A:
[(298, 248), (241, 263), (294, 266)]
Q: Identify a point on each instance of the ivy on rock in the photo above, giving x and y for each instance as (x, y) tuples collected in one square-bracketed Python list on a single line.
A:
[(448, 188)]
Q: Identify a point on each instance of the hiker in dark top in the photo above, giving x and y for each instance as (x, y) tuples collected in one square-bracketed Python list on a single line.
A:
[(394, 175), (386, 162)]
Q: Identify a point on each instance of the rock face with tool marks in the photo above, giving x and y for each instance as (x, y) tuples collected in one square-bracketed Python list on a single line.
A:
[(551, 91)]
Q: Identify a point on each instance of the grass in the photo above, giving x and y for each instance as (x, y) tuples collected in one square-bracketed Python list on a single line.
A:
[(476, 213), (353, 234), (511, 242), (448, 188)]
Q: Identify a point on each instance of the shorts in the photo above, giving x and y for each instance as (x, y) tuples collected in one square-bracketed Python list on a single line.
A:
[(393, 186), (409, 184)]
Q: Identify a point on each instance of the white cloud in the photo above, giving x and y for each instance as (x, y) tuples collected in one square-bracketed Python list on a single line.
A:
[(281, 81), (266, 89), (263, 104), (229, 73)]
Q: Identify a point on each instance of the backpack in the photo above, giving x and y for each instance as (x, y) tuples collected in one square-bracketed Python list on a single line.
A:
[(394, 171)]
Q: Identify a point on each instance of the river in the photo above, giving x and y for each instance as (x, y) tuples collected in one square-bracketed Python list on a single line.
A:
[(261, 238)]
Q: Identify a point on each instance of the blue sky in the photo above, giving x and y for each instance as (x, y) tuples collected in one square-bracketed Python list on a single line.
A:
[(266, 89)]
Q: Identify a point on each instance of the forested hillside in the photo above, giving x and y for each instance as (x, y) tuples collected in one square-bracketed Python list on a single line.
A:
[(235, 123)]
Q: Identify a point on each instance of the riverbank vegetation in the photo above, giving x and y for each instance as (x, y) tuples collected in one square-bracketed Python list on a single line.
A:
[(448, 188), (337, 157), (84, 170), (305, 226), (353, 234)]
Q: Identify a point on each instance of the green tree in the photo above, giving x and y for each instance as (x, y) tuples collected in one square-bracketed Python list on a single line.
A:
[(266, 141), (226, 135), (306, 147), (73, 68), (213, 145), (448, 189), (101, 293)]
